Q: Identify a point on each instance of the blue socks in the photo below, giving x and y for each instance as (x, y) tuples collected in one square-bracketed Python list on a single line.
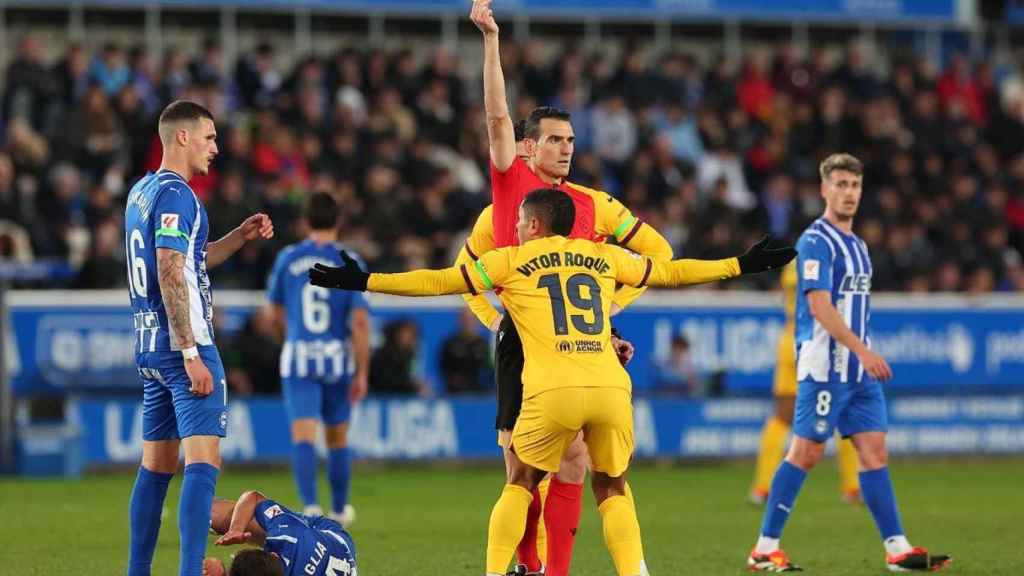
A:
[(876, 488), (144, 509), (194, 515), (339, 463), (785, 487), (304, 469)]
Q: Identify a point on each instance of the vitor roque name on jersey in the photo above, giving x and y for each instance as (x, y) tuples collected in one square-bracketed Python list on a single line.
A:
[(556, 259)]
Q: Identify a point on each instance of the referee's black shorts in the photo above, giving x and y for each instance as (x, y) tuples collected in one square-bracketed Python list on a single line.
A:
[(508, 371)]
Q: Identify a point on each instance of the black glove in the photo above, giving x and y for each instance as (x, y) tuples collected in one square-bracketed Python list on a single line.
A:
[(349, 276), (768, 254)]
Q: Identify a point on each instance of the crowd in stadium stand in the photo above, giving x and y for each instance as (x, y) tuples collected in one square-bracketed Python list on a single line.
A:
[(712, 153)]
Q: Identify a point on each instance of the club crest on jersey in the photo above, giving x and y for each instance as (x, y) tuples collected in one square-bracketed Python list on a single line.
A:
[(273, 511), (169, 221), (855, 284)]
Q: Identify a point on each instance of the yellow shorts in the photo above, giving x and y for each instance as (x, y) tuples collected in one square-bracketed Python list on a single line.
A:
[(549, 422), (785, 364)]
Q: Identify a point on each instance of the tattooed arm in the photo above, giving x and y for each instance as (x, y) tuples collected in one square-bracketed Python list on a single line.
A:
[(170, 266)]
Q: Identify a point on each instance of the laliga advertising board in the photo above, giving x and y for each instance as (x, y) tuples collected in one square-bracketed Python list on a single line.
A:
[(64, 342), (951, 357)]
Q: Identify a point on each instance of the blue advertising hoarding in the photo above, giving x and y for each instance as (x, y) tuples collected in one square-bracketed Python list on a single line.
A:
[(463, 428), (83, 341)]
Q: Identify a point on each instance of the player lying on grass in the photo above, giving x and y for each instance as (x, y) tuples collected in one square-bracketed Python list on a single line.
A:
[(558, 292), (291, 544)]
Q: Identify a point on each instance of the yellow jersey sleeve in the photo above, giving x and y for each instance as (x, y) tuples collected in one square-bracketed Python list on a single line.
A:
[(640, 271), (788, 284), (491, 269), (481, 238), (454, 280), (484, 274), (480, 241)]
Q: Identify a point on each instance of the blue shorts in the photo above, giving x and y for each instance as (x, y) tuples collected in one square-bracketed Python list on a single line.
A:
[(821, 407), (309, 398), (169, 409)]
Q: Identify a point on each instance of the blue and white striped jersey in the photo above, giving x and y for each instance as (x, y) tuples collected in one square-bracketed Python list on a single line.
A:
[(163, 212), (317, 335), (830, 259), (306, 545)]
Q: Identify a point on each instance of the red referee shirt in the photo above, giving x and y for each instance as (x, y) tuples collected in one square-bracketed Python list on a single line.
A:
[(510, 187)]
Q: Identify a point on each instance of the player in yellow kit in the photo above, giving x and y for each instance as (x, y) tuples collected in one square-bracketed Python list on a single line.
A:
[(611, 220), (559, 294), (776, 428)]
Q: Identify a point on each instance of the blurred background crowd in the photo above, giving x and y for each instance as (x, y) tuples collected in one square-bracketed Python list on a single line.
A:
[(712, 152)]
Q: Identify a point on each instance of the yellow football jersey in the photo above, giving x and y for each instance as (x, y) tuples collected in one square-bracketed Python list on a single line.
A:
[(559, 293), (611, 219)]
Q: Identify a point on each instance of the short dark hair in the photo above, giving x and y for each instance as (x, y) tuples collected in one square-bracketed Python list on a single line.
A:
[(182, 110), (520, 130), (532, 128), (255, 562), (322, 211), (552, 207)]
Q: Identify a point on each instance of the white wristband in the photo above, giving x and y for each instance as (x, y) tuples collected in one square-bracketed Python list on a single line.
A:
[(190, 353)]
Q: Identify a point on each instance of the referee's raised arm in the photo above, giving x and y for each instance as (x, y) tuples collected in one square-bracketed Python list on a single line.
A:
[(500, 132)]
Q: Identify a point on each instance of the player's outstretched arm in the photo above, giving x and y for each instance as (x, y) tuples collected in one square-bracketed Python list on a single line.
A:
[(255, 226), (170, 265), (349, 276), (820, 304), (768, 254), (500, 132), (243, 526)]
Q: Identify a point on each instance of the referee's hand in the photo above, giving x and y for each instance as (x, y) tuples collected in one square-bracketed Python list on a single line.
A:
[(768, 254), (483, 17), (348, 276)]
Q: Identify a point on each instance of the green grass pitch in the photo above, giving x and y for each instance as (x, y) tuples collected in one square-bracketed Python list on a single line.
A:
[(430, 520)]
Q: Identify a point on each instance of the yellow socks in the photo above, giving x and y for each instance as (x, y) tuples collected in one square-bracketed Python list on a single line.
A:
[(542, 533), (622, 535), (508, 522), (846, 458), (773, 442)]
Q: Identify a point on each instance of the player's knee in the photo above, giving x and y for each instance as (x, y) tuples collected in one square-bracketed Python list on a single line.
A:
[(337, 436), (573, 468), (160, 464), (202, 449), (605, 486), (804, 454), (873, 457), (573, 471), (524, 476), (304, 430)]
